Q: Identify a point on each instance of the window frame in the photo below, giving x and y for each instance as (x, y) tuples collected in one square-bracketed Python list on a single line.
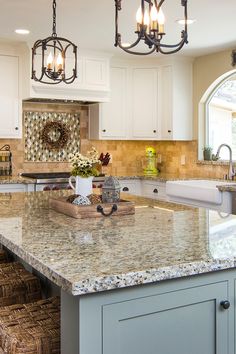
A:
[(203, 113)]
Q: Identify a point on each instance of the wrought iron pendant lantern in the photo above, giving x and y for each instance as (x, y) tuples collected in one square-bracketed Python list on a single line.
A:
[(50, 58), (150, 29)]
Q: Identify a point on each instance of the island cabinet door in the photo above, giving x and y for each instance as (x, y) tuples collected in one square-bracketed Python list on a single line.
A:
[(189, 321)]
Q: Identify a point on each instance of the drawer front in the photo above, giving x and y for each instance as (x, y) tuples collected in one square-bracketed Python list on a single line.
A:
[(131, 187), (154, 190)]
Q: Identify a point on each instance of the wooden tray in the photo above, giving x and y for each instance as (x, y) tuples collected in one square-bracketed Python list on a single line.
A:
[(124, 207)]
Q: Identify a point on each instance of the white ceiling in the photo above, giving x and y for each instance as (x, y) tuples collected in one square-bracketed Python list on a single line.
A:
[(90, 24)]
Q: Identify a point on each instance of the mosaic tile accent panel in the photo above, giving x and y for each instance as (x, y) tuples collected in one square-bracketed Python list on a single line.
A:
[(36, 150)]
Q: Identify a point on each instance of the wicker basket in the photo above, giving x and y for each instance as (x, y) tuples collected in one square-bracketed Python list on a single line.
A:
[(31, 328), (17, 285)]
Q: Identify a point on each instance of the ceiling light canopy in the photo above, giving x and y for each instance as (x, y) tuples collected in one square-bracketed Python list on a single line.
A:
[(54, 59), (150, 29)]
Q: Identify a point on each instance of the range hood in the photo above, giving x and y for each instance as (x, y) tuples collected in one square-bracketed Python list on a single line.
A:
[(59, 101), (67, 92)]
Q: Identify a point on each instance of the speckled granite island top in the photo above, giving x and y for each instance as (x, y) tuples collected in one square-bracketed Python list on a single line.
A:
[(161, 241)]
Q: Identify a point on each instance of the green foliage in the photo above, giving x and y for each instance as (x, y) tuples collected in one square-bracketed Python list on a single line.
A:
[(85, 172)]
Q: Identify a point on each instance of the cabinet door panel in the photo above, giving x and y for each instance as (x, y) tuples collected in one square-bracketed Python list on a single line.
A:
[(114, 113), (96, 73), (9, 97), (166, 96), (181, 322), (145, 113)]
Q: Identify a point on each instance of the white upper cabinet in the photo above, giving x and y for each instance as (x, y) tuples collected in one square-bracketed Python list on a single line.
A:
[(145, 103), (109, 121), (149, 101), (176, 101), (10, 103)]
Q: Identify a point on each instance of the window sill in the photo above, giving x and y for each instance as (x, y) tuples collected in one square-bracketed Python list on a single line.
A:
[(214, 163)]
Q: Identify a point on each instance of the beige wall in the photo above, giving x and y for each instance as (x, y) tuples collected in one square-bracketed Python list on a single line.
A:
[(206, 70)]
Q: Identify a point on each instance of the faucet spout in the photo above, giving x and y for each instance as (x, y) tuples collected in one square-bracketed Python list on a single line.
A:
[(231, 168)]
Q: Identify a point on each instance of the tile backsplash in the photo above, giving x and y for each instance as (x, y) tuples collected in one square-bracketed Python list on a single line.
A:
[(127, 156)]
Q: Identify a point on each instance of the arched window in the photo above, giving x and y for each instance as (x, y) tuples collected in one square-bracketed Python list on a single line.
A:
[(220, 116)]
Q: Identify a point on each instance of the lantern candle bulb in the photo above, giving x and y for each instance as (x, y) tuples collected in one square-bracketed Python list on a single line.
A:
[(49, 61), (161, 21), (154, 18), (146, 21), (139, 18), (59, 62)]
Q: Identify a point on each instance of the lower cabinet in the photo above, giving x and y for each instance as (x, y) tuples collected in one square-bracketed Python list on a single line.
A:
[(181, 322), (144, 188), (189, 315)]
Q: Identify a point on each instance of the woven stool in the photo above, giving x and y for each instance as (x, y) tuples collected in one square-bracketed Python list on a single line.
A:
[(17, 285), (3, 258), (31, 328)]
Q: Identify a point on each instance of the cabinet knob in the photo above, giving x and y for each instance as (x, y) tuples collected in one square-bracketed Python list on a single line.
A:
[(104, 130), (169, 131), (154, 131), (155, 190), (16, 128), (125, 189), (225, 304)]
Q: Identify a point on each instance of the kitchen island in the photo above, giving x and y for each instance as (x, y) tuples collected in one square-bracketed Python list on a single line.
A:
[(160, 281)]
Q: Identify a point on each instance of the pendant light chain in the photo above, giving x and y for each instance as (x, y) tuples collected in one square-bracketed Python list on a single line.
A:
[(54, 30)]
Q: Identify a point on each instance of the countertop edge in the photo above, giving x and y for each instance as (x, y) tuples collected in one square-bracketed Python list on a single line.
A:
[(122, 281)]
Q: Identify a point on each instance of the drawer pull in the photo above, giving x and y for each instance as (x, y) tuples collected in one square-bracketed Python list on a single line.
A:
[(155, 190), (225, 304), (125, 189), (169, 131), (154, 131), (104, 130), (16, 128)]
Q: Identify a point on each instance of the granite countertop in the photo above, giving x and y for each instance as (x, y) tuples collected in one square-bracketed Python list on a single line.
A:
[(228, 187), (161, 241), (15, 180)]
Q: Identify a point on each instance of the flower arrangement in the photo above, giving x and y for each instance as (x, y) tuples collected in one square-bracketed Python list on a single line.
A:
[(85, 166)]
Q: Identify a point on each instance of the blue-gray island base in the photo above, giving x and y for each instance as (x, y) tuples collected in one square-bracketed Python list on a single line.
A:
[(154, 282)]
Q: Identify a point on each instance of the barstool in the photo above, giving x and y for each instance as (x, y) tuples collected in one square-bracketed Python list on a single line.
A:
[(17, 285), (31, 328), (3, 257)]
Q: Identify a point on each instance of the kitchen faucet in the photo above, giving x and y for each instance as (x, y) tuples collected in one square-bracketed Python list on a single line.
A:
[(231, 168)]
